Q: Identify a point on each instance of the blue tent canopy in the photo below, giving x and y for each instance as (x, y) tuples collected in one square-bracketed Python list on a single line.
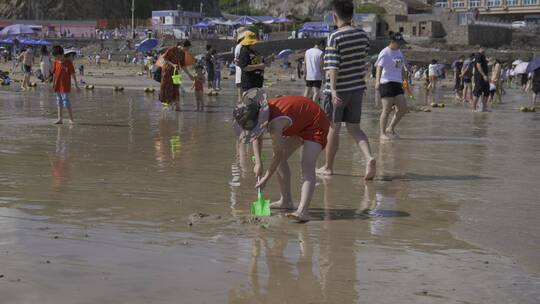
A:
[(204, 24), (315, 27)]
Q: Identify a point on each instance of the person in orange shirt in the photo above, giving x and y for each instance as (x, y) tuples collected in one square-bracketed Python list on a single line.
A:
[(63, 71), (292, 122)]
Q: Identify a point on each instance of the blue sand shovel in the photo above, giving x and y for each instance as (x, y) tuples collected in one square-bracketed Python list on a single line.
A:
[(261, 207)]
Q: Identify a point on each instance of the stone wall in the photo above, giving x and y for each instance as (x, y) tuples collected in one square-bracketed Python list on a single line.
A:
[(447, 57)]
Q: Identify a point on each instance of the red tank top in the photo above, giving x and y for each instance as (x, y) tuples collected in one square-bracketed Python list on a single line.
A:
[(303, 113)]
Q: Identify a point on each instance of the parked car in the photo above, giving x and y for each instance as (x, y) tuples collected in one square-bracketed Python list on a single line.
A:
[(519, 24)]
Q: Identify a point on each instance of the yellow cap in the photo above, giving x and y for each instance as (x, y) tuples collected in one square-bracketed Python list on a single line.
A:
[(250, 38)]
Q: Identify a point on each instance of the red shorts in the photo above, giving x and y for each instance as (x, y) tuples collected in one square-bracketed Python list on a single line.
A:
[(318, 132)]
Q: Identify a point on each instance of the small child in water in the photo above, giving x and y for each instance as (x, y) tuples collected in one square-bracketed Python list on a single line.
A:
[(198, 85), (63, 71)]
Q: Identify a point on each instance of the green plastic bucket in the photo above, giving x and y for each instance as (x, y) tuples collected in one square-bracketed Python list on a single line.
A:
[(176, 77)]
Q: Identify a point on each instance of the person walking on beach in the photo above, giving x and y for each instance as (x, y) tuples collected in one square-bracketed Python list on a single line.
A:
[(481, 80), (535, 85), (238, 70), (313, 67), (292, 122), (27, 59), (467, 76), (173, 59), (458, 80), (63, 71), (198, 87), (495, 86), (45, 64), (210, 70), (251, 63), (433, 73), (389, 82), (217, 70), (344, 62)]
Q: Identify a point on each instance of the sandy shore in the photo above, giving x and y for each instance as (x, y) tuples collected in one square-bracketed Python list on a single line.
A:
[(138, 204)]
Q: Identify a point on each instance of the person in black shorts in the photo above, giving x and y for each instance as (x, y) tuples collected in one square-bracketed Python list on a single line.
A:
[(536, 85), (389, 81), (466, 76), (210, 69), (481, 80), (458, 81)]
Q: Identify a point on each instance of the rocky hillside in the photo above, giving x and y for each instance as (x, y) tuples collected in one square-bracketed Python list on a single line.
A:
[(95, 9), (290, 7)]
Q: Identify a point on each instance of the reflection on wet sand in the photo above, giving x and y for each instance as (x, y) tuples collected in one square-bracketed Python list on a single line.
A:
[(60, 165), (126, 179)]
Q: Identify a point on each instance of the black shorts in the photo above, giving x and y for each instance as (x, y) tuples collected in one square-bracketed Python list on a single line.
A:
[(467, 79), (481, 88), (211, 76), (458, 86), (350, 110), (314, 83), (391, 89), (27, 69), (536, 88)]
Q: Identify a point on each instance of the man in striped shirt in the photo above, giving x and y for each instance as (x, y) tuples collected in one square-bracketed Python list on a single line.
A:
[(345, 65)]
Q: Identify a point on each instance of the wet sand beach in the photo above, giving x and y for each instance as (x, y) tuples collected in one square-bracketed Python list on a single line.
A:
[(137, 204)]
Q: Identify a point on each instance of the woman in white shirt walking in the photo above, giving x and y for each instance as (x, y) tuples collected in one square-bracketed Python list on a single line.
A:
[(389, 83)]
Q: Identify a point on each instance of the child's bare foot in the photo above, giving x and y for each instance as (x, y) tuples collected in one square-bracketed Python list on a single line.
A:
[(299, 217), (371, 169), (325, 171), (391, 133), (282, 205), (58, 122)]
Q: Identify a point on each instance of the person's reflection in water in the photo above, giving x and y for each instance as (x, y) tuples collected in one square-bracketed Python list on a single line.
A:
[(168, 144), (239, 169), (286, 282), (60, 161), (337, 261)]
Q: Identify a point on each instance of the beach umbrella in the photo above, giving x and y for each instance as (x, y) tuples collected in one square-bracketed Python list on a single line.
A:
[(17, 29), (147, 45), (517, 62), (533, 65), (521, 68), (285, 53)]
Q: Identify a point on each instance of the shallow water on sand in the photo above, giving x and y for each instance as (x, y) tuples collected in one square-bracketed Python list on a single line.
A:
[(103, 211)]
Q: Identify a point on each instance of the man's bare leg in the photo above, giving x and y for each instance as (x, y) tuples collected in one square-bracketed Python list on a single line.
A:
[(307, 92), (484, 103), (239, 91), (331, 149), (401, 105), (475, 102), (310, 153), (361, 140), (70, 115), (284, 175), (387, 104), (316, 94)]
